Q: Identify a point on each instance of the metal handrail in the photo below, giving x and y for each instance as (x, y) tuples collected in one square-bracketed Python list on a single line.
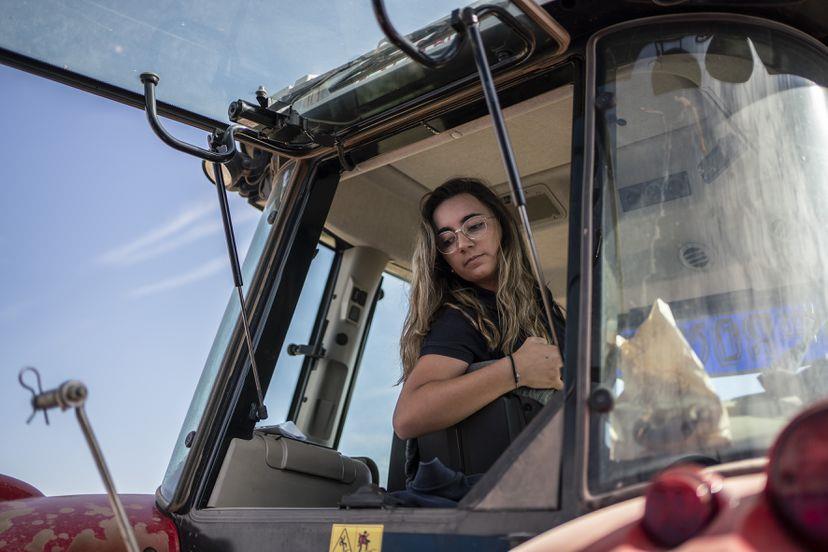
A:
[(456, 45), (150, 81)]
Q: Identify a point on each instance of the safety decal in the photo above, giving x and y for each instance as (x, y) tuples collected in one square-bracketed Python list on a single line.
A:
[(356, 538)]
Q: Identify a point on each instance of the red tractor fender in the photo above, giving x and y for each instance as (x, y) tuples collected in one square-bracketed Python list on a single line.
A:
[(14, 489), (79, 523)]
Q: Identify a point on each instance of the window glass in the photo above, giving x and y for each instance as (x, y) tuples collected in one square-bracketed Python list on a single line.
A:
[(368, 430), (711, 149), (282, 386), (207, 53), (223, 335)]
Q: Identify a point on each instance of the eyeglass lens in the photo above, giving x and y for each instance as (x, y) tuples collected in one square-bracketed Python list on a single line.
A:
[(474, 228)]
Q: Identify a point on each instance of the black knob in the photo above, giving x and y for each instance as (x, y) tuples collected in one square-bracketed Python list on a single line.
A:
[(601, 400)]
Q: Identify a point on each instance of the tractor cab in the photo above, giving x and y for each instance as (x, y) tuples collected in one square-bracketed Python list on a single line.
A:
[(671, 162)]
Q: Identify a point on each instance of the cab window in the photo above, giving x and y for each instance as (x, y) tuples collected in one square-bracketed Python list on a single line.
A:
[(367, 429)]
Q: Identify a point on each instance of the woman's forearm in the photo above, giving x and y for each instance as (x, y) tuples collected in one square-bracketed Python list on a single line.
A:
[(439, 404)]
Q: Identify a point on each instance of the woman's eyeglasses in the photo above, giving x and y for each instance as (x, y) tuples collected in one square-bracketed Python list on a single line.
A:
[(474, 229)]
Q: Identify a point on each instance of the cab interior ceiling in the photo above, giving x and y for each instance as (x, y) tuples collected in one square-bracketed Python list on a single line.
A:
[(376, 204)]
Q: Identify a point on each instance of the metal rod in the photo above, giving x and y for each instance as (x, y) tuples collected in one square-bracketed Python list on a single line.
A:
[(114, 501), (470, 20), (227, 222), (261, 413)]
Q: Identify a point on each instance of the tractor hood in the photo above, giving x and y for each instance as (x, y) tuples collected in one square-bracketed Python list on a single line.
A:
[(82, 523)]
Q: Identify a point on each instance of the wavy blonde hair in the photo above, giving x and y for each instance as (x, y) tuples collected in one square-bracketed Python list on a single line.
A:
[(434, 285)]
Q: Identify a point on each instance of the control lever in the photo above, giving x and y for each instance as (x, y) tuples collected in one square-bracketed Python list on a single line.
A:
[(222, 150), (73, 394)]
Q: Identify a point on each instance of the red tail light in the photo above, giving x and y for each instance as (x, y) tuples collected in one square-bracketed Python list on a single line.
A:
[(680, 503), (798, 475)]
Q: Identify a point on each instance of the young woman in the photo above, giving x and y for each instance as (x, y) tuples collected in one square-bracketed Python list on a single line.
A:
[(473, 299)]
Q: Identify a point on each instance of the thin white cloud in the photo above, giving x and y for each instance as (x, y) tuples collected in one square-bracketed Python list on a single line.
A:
[(171, 243), (144, 245), (191, 224), (199, 273)]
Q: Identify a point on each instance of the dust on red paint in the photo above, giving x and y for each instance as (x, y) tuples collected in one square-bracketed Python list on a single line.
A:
[(81, 523)]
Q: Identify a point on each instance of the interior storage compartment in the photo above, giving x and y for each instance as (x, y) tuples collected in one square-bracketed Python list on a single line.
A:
[(270, 471)]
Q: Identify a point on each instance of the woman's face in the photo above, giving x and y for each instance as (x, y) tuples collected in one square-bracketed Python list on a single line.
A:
[(475, 261)]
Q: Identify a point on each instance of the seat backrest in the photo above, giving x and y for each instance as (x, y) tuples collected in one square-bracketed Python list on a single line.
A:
[(396, 465), (474, 444)]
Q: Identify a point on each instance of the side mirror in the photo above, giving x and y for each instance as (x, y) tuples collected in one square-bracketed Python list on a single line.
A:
[(247, 173)]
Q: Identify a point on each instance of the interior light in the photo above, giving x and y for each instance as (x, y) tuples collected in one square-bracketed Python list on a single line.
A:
[(680, 503), (797, 485)]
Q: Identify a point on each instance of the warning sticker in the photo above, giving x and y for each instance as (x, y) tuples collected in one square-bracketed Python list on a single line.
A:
[(356, 538)]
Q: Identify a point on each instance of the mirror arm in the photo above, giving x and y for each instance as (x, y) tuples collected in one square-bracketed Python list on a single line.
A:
[(150, 81)]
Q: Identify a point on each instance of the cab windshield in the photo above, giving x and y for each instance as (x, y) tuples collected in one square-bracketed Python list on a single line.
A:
[(710, 304), (211, 53)]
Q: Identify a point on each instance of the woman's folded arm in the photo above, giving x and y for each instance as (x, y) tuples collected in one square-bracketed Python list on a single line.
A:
[(438, 394)]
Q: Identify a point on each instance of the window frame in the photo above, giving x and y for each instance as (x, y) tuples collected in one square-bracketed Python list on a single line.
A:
[(592, 190)]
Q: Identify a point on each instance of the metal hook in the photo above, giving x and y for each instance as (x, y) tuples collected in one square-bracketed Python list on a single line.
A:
[(32, 391), (150, 81)]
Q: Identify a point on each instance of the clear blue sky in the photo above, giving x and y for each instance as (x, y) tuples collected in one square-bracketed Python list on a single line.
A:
[(114, 271)]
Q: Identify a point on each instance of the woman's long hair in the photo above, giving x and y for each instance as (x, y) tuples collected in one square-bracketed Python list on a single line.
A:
[(434, 285)]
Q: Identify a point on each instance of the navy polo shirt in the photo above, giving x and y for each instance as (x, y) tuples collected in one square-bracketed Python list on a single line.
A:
[(453, 335)]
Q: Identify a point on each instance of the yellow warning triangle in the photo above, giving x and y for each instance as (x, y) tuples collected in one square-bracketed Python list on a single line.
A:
[(342, 542)]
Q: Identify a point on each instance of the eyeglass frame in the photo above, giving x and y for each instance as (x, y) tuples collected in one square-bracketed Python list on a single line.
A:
[(461, 230)]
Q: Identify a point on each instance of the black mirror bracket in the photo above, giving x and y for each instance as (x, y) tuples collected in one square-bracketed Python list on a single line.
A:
[(222, 150)]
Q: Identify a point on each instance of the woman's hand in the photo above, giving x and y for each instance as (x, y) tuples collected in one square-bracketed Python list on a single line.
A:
[(539, 364)]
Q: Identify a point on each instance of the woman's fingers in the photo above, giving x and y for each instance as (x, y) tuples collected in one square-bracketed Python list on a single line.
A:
[(540, 364), (555, 367)]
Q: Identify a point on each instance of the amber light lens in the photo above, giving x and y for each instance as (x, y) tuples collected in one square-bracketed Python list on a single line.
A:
[(798, 475), (680, 503)]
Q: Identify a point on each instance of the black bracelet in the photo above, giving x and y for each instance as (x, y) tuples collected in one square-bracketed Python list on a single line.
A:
[(514, 371)]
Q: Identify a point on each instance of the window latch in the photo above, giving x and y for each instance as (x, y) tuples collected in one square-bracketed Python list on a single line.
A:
[(306, 350)]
